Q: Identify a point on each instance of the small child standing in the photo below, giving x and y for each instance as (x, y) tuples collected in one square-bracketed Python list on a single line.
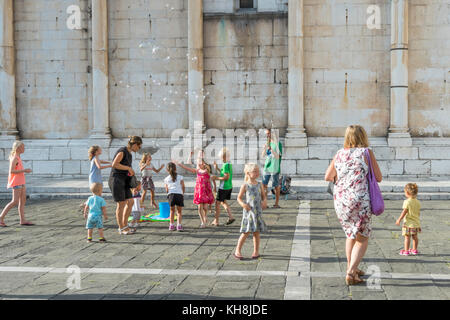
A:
[(16, 181), (137, 209), (97, 206), (411, 224), (255, 202), (175, 189), (225, 187), (203, 195), (147, 181), (95, 174)]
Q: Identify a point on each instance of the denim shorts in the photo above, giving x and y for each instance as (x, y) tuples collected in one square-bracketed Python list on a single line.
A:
[(94, 221), (19, 187), (275, 179)]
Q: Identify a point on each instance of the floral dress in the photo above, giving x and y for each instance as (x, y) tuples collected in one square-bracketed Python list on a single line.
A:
[(351, 193), (252, 220), (203, 192)]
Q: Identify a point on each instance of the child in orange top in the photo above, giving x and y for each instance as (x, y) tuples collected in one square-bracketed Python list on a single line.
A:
[(16, 181)]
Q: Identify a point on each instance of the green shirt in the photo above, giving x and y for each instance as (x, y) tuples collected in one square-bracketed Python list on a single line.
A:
[(272, 164), (226, 184)]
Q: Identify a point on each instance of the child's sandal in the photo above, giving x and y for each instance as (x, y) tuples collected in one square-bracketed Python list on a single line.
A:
[(102, 240), (89, 239)]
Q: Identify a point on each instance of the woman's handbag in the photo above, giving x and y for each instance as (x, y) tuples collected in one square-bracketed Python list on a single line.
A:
[(376, 198)]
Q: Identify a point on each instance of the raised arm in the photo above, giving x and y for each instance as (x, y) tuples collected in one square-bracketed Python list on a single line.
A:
[(186, 167), (158, 170)]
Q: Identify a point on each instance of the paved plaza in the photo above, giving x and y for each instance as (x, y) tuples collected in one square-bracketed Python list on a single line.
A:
[(302, 256)]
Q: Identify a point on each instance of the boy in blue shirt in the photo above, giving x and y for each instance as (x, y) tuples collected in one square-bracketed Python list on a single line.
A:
[(97, 207)]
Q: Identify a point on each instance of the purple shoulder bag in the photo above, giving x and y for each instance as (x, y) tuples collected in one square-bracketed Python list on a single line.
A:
[(376, 198)]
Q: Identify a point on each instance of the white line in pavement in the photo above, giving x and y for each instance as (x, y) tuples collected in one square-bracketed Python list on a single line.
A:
[(299, 288), (222, 273)]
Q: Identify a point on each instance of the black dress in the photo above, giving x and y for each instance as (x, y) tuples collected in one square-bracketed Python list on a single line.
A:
[(119, 181)]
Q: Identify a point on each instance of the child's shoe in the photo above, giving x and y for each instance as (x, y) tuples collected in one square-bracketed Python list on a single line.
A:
[(172, 227), (413, 252), (404, 252), (179, 227)]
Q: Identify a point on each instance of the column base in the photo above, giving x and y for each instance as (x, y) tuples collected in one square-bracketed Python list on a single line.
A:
[(101, 139), (296, 138), (399, 139), (7, 138)]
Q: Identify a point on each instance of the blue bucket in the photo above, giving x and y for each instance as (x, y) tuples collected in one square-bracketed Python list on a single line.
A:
[(164, 210)]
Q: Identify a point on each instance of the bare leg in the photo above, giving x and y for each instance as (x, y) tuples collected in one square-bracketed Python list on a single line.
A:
[(100, 233), (144, 193), (152, 196), (90, 233), (179, 214), (256, 242), (216, 217), (22, 201), (277, 195), (228, 209), (359, 249), (407, 242), (172, 215), (349, 244), (200, 213), (127, 211), (119, 213), (14, 202), (240, 243), (415, 241)]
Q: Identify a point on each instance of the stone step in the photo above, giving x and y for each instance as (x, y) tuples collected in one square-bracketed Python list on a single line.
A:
[(189, 196)]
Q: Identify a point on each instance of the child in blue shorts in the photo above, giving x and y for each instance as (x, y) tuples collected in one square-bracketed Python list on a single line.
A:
[(97, 207)]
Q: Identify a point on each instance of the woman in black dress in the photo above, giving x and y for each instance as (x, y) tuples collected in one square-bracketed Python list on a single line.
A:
[(119, 182)]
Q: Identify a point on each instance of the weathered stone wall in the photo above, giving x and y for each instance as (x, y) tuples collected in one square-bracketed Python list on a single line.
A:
[(246, 71), (347, 68), (52, 79), (147, 89), (429, 68)]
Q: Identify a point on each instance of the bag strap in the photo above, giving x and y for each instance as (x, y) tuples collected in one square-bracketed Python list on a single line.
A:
[(367, 153)]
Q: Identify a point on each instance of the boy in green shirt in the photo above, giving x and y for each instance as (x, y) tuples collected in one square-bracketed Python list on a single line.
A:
[(225, 187)]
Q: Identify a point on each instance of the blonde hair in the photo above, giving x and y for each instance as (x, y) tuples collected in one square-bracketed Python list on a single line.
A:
[(92, 151), (96, 187), (224, 152), (412, 189), (249, 167), (356, 137), (16, 145), (144, 158)]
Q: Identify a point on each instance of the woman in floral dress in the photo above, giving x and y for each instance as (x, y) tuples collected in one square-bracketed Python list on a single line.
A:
[(348, 171)]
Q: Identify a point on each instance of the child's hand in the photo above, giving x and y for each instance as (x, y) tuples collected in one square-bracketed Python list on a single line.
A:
[(247, 207), (397, 222), (105, 217), (213, 177), (85, 215), (264, 205), (27, 170)]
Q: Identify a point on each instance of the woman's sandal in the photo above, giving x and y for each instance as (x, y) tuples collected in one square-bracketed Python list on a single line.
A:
[(351, 280), (360, 272)]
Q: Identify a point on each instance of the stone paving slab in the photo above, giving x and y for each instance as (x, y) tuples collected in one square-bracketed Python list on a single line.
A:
[(198, 263), (409, 277)]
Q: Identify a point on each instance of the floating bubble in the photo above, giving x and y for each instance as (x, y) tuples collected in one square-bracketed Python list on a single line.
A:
[(172, 103)]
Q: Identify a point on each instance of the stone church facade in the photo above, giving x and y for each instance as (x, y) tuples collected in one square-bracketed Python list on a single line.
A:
[(308, 68)]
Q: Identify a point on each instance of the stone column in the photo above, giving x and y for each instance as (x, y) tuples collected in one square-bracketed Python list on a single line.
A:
[(8, 122), (399, 135), (296, 136), (195, 63), (101, 131)]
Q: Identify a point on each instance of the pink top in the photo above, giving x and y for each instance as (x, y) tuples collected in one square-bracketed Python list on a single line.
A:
[(16, 179)]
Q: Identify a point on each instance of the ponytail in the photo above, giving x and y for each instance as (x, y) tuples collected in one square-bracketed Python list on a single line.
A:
[(172, 168)]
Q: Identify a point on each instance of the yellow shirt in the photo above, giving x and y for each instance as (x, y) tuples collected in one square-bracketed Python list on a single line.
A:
[(411, 219)]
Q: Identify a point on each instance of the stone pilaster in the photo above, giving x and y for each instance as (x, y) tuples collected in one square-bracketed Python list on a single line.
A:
[(195, 64), (8, 121), (399, 135), (296, 136), (101, 132)]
